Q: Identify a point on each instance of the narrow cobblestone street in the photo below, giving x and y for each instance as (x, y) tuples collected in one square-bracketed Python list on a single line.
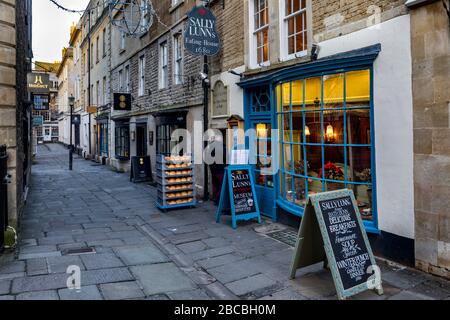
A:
[(142, 253)]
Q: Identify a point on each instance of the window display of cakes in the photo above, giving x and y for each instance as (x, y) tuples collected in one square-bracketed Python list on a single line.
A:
[(175, 176)]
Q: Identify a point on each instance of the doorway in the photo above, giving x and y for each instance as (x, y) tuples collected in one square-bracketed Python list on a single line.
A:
[(141, 139)]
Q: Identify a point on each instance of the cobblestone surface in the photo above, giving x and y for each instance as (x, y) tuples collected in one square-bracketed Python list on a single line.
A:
[(142, 253)]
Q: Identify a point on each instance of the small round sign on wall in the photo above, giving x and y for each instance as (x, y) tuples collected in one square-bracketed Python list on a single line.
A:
[(201, 36)]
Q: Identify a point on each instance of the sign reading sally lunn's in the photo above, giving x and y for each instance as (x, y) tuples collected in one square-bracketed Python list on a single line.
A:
[(201, 36), (238, 195)]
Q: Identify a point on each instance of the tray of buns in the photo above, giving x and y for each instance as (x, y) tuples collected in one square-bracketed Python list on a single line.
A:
[(175, 178)]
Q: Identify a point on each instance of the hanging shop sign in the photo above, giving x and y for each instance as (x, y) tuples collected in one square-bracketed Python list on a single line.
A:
[(122, 101), (91, 109), (141, 170), (38, 83), (238, 195), (201, 36), (40, 102), (332, 232), (37, 121)]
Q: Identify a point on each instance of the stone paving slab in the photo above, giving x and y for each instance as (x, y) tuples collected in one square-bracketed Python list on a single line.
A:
[(85, 293), (60, 264), (408, 295), (39, 283), (13, 267), (5, 286), (148, 254), (162, 278), (37, 266), (105, 276), (197, 294), (122, 290), (38, 295), (101, 261), (250, 284)]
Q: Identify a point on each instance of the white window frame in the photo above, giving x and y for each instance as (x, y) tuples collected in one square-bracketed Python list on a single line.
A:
[(127, 78), (97, 95), (178, 58), (122, 40), (144, 16), (163, 64), (104, 42), (284, 43), (141, 88), (104, 91), (120, 75), (252, 36)]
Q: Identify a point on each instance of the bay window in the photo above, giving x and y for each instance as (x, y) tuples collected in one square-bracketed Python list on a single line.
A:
[(325, 137)]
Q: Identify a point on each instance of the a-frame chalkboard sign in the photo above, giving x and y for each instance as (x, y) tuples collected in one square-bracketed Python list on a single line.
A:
[(141, 169), (238, 195), (332, 232)]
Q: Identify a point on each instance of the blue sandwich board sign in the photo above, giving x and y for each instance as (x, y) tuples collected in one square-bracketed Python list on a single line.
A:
[(201, 36), (238, 195), (332, 232)]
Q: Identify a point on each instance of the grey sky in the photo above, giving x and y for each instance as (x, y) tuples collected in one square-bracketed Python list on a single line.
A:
[(51, 27)]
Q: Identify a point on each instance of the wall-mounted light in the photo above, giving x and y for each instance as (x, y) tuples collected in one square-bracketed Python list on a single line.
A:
[(133, 135)]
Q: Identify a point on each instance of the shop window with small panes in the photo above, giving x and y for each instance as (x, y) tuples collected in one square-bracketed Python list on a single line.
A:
[(325, 139), (122, 141)]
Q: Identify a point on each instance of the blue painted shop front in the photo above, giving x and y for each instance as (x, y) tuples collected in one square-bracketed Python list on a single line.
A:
[(321, 114)]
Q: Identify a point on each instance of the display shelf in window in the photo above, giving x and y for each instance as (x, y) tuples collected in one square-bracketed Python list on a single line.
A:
[(175, 178)]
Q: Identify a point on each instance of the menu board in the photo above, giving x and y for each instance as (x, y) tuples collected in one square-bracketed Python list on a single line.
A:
[(243, 196), (238, 195), (141, 170), (332, 232), (346, 240)]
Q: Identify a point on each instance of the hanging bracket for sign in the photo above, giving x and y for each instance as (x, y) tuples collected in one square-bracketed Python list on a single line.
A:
[(332, 232), (201, 36), (238, 195)]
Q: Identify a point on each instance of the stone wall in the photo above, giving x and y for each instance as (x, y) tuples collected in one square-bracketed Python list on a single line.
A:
[(14, 49), (8, 98), (335, 18), (431, 77)]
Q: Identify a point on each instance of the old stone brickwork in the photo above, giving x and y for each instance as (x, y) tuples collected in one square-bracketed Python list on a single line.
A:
[(230, 21), (14, 49), (332, 18), (431, 77), (230, 25)]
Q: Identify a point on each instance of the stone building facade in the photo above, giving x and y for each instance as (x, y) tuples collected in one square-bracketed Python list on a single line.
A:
[(15, 112), (315, 45), (430, 42), (66, 83), (181, 94)]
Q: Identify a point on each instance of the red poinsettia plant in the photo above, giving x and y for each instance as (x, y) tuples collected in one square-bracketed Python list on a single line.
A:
[(332, 172)]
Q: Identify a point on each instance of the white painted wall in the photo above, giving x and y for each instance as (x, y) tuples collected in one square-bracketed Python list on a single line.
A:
[(393, 118), (235, 97)]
